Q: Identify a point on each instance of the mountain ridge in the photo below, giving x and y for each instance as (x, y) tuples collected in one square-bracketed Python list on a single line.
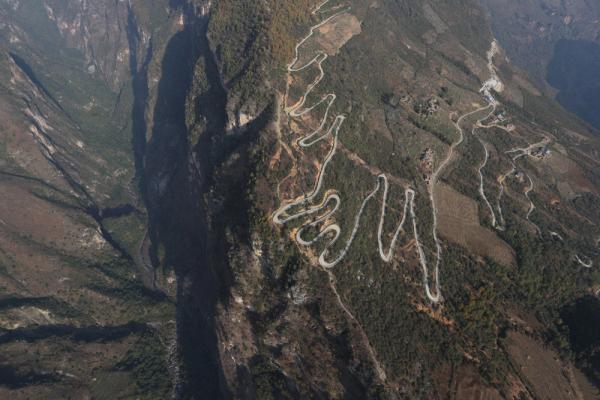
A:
[(339, 199)]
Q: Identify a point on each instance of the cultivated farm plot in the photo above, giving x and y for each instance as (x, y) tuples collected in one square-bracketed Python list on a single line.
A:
[(542, 368), (458, 218)]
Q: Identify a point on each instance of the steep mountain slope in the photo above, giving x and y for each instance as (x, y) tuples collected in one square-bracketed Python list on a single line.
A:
[(78, 317), (558, 43), (275, 199)]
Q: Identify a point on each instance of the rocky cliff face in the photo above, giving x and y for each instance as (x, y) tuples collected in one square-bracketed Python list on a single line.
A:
[(354, 199), (99, 31)]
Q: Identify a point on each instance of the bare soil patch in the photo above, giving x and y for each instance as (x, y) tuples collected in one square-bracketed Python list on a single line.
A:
[(458, 221), (336, 33), (568, 173), (32, 217), (469, 386), (547, 375), (376, 122)]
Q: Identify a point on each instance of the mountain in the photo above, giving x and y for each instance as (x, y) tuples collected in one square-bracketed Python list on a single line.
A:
[(558, 43), (373, 199)]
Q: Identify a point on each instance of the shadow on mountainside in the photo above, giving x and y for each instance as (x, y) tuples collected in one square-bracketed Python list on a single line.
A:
[(575, 72), (175, 188)]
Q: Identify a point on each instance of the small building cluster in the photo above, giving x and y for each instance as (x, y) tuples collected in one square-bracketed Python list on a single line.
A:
[(540, 152), (489, 98), (486, 90), (426, 164), (427, 107), (520, 176), (499, 118)]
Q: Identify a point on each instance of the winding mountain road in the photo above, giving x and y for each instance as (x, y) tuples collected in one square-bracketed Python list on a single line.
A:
[(325, 209), (498, 222), (318, 208), (322, 205)]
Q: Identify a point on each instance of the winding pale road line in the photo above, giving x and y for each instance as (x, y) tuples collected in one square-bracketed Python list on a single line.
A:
[(317, 209), (588, 264), (323, 212)]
